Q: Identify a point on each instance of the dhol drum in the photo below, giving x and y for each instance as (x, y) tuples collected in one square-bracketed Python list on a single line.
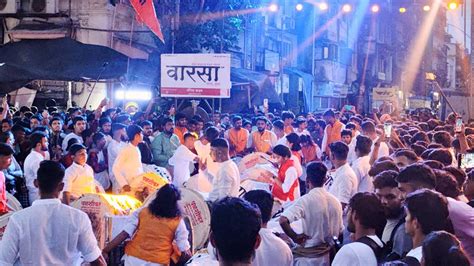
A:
[(146, 184), (249, 185), (100, 206), (13, 205), (253, 159), (163, 172), (199, 182), (197, 210), (260, 172)]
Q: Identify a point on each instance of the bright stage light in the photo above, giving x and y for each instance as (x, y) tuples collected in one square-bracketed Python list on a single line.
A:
[(402, 10), (426, 8), (133, 94), (452, 5), (323, 6), (273, 8), (299, 7), (346, 8), (375, 8)]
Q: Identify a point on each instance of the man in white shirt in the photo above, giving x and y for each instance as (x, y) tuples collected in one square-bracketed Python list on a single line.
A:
[(49, 232), (368, 129), (427, 211), (366, 220), (128, 166), (181, 160), (119, 135), (79, 177), (342, 183), (39, 152), (203, 149), (321, 215), (272, 250), (79, 125), (227, 180), (361, 165)]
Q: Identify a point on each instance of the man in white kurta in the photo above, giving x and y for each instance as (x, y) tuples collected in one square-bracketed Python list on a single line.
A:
[(181, 160), (361, 165), (49, 232), (320, 213), (227, 180), (113, 149), (128, 166), (79, 177), (32, 162)]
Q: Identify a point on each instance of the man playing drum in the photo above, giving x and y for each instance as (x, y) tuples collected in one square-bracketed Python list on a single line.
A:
[(128, 165), (79, 177), (227, 180), (321, 214)]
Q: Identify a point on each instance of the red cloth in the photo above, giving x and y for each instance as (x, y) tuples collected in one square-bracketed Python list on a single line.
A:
[(146, 14), (3, 195), (277, 191)]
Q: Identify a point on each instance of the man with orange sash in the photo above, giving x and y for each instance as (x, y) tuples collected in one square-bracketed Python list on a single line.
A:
[(262, 140), (237, 137), (180, 128), (332, 132)]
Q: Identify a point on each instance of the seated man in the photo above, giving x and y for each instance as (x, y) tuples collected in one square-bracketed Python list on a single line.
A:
[(321, 213)]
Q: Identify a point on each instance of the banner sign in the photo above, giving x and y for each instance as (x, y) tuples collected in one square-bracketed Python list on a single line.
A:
[(195, 75)]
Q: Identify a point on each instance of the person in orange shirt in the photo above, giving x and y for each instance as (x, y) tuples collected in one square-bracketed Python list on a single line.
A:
[(262, 140), (332, 132), (158, 232), (288, 118), (237, 137), (181, 122)]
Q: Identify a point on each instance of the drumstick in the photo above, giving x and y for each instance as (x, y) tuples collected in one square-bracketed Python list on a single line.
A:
[(268, 160)]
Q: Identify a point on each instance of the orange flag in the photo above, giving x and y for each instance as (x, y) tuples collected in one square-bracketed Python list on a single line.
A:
[(146, 14)]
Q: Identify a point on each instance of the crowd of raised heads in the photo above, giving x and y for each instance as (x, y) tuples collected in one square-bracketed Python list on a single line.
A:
[(349, 188)]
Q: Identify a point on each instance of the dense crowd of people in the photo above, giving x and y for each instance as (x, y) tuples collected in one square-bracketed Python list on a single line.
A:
[(355, 189)]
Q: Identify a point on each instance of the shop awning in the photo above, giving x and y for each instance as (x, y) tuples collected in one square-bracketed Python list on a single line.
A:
[(59, 59)]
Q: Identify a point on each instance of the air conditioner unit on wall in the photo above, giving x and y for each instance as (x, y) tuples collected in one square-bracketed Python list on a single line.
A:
[(40, 6), (9, 6)]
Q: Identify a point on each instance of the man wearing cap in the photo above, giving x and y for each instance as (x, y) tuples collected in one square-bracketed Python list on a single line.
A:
[(79, 177)]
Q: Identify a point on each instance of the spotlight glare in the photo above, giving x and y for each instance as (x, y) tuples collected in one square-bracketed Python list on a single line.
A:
[(299, 7), (375, 9), (323, 6), (426, 8), (452, 5), (402, 10), (346, 8), (273, 8)]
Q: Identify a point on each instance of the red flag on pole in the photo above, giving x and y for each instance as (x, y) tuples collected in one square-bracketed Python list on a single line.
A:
[(146, 14)]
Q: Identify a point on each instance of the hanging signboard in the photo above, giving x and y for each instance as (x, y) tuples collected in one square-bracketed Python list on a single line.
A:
[(195, 75)]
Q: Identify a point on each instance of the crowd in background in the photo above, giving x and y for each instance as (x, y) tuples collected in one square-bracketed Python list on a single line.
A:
[(391, 196)]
